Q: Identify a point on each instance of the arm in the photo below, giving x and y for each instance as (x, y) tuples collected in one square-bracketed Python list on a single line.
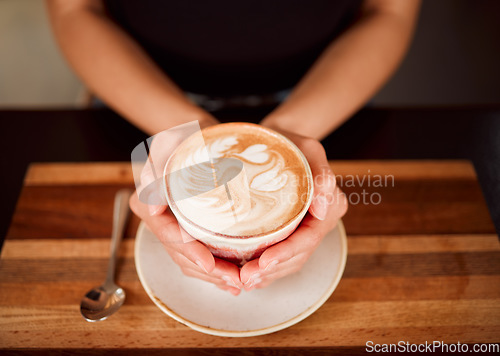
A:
[(120, 72), (350, 71), (117, 69)]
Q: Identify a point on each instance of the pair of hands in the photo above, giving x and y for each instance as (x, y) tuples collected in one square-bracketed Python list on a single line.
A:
[(286, 257)]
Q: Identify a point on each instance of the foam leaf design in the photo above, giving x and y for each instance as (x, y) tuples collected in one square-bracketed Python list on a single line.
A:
[(218, 147), (255, 153), (269, 181), (197, 157)]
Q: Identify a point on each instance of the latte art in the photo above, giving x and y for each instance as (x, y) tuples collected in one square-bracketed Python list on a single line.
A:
[(242, 182)]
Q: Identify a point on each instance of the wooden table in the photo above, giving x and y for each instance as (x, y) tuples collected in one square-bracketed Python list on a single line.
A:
[(423, 265)]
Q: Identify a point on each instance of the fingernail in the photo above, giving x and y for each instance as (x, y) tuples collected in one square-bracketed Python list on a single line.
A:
[(320, 207), (252, 278), (253, 283), (154, 209), (256, 281), (229, 281), (198, 262), (270, 266)]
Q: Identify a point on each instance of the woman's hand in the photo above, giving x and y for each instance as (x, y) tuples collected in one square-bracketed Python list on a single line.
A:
[(328, 206), (194, 258)]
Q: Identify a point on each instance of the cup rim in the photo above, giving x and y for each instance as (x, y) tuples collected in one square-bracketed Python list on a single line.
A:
[(220, 237)]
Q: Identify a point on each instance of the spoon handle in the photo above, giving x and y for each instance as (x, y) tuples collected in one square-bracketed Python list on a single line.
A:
[(120, 215)]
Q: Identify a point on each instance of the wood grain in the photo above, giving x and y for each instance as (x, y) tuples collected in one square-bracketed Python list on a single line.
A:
[(380, 321), (381, 265), (420, 205), (83, 211), (423, 265), (121, 172), (79, 173), (63, 248), (361, 244), (351, 289), (407, 169)]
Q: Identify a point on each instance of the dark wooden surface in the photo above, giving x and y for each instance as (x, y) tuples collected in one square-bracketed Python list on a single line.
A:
[(423, 265), (471, 133)]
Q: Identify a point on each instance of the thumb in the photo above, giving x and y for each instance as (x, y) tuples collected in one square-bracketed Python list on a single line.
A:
[(324, 186), (156, 209), (150, 190)]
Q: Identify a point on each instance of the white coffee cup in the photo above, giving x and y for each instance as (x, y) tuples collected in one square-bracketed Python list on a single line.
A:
[(215, 233)]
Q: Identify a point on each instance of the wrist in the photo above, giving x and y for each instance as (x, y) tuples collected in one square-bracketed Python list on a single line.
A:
[(277, 123), (207, 120), (298, 123)]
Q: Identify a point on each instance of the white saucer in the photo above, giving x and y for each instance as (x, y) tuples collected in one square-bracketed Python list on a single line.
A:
[(205, 308)]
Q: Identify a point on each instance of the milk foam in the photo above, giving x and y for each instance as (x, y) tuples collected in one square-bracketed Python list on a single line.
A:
[(261, 195)]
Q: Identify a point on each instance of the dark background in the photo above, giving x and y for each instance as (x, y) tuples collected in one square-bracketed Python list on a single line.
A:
[(454, 58)]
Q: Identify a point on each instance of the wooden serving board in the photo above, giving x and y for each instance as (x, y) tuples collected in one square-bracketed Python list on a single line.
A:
[(423, 265)]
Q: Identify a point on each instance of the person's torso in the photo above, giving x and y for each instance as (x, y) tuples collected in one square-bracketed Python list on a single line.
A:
[(234, 47)]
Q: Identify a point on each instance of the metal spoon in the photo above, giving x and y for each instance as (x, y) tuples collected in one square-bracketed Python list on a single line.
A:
[(101, 302)]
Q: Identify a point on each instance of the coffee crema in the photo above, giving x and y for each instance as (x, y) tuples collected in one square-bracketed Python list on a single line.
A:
[(238, 180)]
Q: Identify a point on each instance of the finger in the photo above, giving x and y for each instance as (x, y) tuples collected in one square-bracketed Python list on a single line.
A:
[(252, 282), (222, 274), (263, 285), (289, 255), (231, 290), (323, 177), (222, 271), (305, 239), (195, 252), (315, 154), (195, 272), (163, 144), (228, 272), (142, 209), (150, 189), (166, 228), (329, 206), (219, 283), (338, 204), (156, 209), (292, 266), (250, 270), (219, 276), (302, 242), (324, 186), (155, 152)]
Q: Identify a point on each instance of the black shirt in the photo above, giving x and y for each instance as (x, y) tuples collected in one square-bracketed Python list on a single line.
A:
[(231, 47)]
